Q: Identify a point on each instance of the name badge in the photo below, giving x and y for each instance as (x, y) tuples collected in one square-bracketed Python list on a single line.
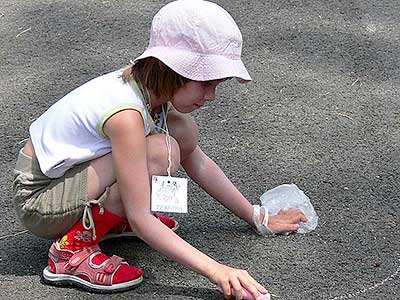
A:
[(169, 194)]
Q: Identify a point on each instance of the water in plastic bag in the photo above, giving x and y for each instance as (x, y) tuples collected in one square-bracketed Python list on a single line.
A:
[(287, 196)]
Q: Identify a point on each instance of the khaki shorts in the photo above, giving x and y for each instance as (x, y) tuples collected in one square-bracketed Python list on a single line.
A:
[(48, 207)]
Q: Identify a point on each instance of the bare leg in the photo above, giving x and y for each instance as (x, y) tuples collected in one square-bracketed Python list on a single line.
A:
[(101, 171)]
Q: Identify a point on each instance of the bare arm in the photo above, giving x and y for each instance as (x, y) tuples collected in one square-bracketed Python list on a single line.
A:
[(206, 173), (126, 132)]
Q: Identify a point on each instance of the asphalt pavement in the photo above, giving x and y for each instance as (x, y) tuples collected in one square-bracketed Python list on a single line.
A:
[(321, 112)]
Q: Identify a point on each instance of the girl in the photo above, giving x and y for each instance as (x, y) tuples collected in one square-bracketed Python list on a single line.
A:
[(85, 173)]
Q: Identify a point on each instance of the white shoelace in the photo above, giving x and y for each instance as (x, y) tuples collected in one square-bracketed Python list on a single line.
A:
[(87, 212)]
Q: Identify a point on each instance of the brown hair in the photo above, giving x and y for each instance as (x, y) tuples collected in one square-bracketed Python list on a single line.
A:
[(156, 76)]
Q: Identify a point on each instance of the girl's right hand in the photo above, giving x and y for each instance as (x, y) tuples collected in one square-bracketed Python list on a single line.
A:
[(228, 279)]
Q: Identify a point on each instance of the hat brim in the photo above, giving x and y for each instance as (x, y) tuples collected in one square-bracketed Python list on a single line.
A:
[(197, 66)]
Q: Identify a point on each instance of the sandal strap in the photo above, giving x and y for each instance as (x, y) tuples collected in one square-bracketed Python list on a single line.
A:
[(261, 227), (79, 257), (80, 263), (113, 263), (100, 274)]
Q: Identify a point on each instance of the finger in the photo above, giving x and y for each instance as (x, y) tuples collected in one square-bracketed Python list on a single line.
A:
[(293, 227), (259, 287), (237, 288), (303, 218), (298, 217), (250, 289), (245, 279), (288, 228), (226, 289), (250, 285)]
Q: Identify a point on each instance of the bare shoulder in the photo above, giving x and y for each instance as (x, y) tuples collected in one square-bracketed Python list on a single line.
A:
[(124, 122)]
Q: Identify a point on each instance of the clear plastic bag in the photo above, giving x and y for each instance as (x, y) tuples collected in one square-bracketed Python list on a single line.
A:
[(287, 196)]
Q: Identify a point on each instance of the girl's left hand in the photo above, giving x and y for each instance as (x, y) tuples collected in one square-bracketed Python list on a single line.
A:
[(286, 221)]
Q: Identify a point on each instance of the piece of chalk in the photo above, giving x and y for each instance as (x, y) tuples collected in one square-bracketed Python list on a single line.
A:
[(248, 296)]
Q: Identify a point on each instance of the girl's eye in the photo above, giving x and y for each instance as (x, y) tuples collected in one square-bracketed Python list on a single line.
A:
[(207, 83)]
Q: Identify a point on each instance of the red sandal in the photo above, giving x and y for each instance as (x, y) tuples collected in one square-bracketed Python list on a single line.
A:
[(124, 230), (91, 270)]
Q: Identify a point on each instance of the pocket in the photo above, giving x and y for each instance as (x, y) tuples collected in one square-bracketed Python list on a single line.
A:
[(18, 189)]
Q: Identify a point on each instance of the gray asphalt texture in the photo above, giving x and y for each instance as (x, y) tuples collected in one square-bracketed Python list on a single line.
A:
[(322, 112)]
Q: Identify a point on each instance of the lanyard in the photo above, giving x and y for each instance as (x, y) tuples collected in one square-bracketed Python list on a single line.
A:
[(138, 87)]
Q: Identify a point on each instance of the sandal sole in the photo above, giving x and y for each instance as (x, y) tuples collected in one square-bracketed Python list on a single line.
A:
[(65, 279)]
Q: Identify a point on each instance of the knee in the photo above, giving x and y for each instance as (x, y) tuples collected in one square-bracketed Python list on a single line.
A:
[(186, 133), (157, 155)]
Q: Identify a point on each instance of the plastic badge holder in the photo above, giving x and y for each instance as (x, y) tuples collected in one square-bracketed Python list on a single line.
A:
[(287, 196)]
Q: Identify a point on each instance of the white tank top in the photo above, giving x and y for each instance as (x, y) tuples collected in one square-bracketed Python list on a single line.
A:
[(71, 130)]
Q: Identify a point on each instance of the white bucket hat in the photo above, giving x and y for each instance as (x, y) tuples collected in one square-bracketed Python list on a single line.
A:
[(198, 40)]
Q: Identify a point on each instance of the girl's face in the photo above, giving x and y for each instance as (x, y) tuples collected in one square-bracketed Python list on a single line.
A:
[(194, 95)]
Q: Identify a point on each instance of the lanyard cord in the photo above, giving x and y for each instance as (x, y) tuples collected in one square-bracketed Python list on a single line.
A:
[(167, 141), (146, 95)]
